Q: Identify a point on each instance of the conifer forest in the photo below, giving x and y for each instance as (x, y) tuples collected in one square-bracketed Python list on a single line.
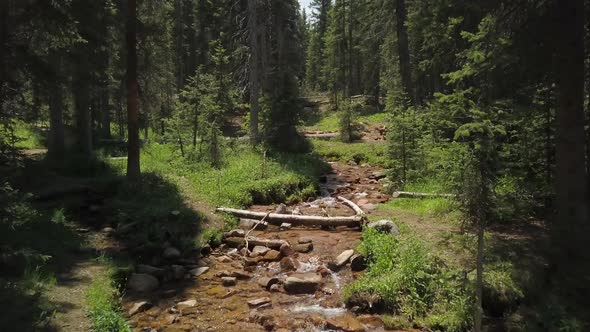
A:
[(294, 165)]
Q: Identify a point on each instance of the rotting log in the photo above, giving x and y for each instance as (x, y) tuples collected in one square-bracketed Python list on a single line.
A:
[(356, 208), (407, 194), (295, 220), (255, 241)]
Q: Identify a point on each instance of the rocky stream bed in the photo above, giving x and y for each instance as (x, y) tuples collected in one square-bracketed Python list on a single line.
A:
[(294, 287)]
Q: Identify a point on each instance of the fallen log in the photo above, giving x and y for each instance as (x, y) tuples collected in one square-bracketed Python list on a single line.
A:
[(407, 194), (295, 220), (255, 241), (322, 135), (356, 208)]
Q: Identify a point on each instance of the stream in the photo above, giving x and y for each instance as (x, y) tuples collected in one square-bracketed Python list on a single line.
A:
[(220, 307)]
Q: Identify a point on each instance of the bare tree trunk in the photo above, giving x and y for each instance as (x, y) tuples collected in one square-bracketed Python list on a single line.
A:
[(254, 70), (133, 168), (572, 219), (479, 278), (105, 113), (404, 50)]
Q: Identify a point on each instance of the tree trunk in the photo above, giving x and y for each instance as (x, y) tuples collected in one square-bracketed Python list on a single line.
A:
[(571, 224), (83, 115), (254, 70), (479, 278), (56, 146), (405, 66), (105, 114), (133, 168)]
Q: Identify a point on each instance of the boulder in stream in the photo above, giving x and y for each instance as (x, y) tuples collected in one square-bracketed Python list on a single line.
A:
[(141, 282), (345, 323), (267, 282), (259, 251), (259, 302), (228, 281), (171, 253), (304, 283), (139, 307), (289, 264), (341, 260), (303, 248)]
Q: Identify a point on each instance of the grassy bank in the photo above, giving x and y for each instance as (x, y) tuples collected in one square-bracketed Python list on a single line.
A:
[(246, 176), (373, 153), (104, 305)]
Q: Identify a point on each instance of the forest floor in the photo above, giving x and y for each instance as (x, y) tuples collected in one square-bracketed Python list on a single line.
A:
[(204, 303)]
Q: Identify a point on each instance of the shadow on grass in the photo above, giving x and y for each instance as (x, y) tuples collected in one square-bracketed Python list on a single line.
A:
[(143, 218), (521, 291)]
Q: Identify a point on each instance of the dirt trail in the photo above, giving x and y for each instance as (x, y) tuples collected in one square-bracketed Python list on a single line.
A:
[(69, 296), (220, 308)]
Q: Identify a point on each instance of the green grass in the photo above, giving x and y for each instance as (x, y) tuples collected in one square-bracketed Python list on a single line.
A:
[(29, 137), (440, 208), (359, 152), (104, 310), (329, 121), (377, 118), (247, 177), (412, 283)]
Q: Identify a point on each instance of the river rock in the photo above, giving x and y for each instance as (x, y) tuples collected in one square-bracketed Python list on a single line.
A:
[(266, 320), (378, 175), (198, 271), (141, 282), (304, 240), (171, 253), (362, 202), (224, 259), (281, 209), (272, 256), (384, 226), (139, 307), (302, 283), (259, 251), (206, 250), (358, 263), (228, 281), (235, 233), (187, 304), (178, 271), (259, 302), (341, 260), (241, 275), (249, 224), (148, 269), (303, 248), (268, 282), (286, 249), (285, 226), (345, 323), (289, 264)]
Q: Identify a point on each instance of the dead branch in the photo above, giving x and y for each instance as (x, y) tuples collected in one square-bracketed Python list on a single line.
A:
[(277, 219)]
